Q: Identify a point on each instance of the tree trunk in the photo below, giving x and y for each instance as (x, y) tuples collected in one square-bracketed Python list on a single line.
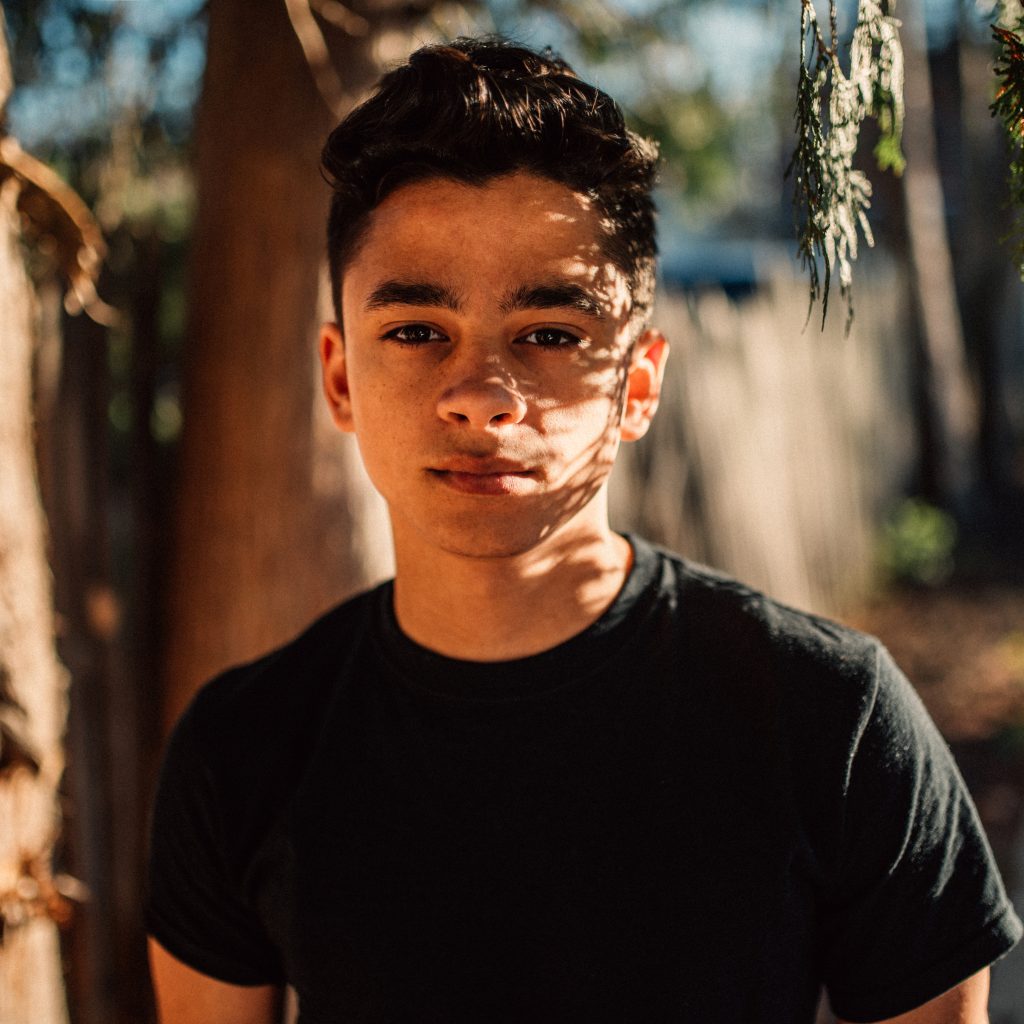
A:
[(32, 683), (990, 285), (274, 523), (77, 497), (948, 396)]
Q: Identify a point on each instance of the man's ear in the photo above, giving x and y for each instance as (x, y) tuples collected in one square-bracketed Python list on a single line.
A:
[(335, 376), (643, 386)]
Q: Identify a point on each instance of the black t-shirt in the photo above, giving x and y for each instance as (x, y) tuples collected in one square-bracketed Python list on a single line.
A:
[(700, 809)]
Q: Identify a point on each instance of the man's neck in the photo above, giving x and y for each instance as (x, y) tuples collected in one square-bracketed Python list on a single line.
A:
[(497, 609)]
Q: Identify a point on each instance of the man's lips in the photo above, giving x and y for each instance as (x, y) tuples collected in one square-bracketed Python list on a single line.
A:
[(472, 475), (480, 465)]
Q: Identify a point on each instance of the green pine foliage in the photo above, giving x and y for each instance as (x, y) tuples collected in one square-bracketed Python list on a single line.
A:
[(1008, 106), (831, 196)]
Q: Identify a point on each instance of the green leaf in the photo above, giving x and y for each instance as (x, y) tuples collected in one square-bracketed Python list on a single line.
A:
[(831, 196)]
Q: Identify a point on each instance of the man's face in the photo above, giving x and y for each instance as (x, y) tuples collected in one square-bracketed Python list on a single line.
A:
[(482, 363)]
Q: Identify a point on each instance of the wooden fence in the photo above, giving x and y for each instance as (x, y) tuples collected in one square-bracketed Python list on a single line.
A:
[(778, 448)]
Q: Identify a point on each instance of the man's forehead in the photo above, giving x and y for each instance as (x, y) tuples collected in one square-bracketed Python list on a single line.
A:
[(522, 190), (517, 207), (529, 241)]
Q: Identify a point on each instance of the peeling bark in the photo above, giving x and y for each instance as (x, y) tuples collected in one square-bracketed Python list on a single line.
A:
[(34, 708), (34, 205)]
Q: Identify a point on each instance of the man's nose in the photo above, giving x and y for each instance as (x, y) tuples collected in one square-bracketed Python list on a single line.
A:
[(483, 396)]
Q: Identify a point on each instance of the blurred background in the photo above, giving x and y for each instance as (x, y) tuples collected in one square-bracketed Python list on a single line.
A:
[(197, 507)]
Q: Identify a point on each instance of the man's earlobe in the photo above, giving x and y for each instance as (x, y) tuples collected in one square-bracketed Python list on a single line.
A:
[(335, 375), (643, 387)]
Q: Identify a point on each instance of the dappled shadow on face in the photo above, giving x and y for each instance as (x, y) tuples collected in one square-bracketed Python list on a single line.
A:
[(575, 397), (506, 259), (601, 368)]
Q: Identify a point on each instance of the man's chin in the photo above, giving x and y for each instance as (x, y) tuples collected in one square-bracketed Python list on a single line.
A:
[(484, 544), (497, 531), (487, 537)]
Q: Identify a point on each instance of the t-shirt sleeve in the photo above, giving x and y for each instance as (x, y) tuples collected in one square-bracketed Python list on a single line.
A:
[(194, 905), (917, 905)]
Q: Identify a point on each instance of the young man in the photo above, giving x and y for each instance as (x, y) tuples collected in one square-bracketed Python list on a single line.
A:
[(548, 773)]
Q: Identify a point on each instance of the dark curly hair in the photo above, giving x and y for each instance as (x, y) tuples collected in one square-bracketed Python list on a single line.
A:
[(475, 109)]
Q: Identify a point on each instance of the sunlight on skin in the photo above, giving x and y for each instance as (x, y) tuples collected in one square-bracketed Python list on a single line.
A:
[(185, 996), (965, 1004), (538, 560)]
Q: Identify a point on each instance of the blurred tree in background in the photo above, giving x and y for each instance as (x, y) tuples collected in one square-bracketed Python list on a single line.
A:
[(108, 102), (202, 510), (42, 217)]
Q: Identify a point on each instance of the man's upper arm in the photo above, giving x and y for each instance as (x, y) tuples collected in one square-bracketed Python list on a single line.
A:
[(186, 996), (196, 905), (915, 903), (965, 1004)]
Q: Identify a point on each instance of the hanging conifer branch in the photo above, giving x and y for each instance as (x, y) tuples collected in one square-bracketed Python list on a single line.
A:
[(1008, 106), (831, 197)]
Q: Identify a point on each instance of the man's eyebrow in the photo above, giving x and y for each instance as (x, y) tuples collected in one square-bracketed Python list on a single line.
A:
[(553, 296), (413, 293)]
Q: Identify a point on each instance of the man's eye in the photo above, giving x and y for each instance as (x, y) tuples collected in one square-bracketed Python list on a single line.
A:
[(415, 334), (551, 337)]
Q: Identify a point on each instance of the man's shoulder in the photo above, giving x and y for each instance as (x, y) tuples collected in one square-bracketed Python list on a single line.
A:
[(287, 688), (746, 621), (752, 651)]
